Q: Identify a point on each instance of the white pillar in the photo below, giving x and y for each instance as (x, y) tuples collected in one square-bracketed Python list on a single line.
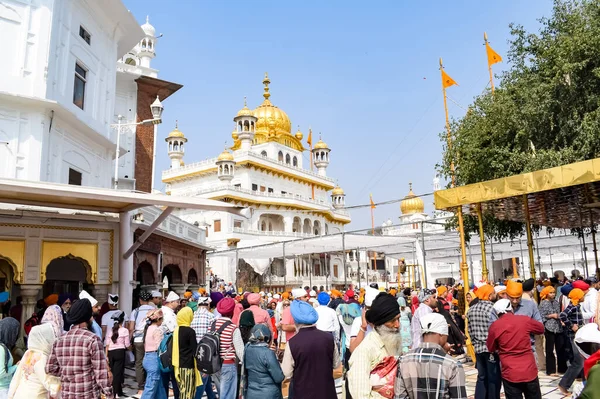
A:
[(125, 265)]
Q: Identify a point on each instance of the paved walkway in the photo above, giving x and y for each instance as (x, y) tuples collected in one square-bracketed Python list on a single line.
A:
[(549, 385)]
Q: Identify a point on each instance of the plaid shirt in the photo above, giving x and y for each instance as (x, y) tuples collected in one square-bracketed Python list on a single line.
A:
[(479, 321), (571, 316), (429, 373), (202, 321), (78, 359)]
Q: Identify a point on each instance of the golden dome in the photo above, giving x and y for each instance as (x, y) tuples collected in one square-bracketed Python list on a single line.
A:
[(299, 134), (176, 133), (225, 156), (337, 191), (411, 203), (321, 145), (244, 111)]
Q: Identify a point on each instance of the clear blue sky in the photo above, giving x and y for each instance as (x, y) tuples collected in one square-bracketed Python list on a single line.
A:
[(365, 74)]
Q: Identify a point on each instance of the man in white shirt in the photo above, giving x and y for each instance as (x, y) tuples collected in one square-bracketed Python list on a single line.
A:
[(590, 300), (428, 301), (169, 323), (327, 317), (136, 326), (107, 320)]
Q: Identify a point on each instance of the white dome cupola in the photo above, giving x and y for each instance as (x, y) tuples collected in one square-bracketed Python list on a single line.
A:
[(146, 48)]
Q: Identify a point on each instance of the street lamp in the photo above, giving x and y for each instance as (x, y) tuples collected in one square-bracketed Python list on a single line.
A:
[(157, 109)]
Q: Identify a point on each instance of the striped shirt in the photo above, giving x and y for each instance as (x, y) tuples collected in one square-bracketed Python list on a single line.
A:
[(427, 372), (231, 341)]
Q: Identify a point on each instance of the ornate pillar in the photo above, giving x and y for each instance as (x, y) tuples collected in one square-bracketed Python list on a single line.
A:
[(29, 293)]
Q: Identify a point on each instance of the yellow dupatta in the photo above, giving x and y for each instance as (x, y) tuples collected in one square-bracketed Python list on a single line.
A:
[(184, 319)]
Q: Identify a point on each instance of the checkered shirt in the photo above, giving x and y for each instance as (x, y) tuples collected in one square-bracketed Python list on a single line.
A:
[(571, 316), (202, 321), (429, 373), (479, 321), (78, 359)]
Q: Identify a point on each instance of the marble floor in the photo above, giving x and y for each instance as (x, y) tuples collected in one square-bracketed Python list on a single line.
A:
[(549, 385)]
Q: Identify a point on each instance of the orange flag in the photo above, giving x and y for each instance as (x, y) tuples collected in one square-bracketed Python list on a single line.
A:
[(372, 203), (309, 138), (493, 57), (447, 81)]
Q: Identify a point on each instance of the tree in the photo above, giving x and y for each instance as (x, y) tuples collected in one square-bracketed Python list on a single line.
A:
[(545, 111)]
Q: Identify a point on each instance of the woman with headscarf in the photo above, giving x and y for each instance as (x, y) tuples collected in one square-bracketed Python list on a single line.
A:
[(184, 359), (117, 342), (30, 380), (263, 374), (54, 317), (550, 311), (405, 331), (246, 324), (9, 332), (153, 334)]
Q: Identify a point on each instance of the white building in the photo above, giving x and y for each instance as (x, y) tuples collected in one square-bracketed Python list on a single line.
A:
[(68, 69), (265, 172)]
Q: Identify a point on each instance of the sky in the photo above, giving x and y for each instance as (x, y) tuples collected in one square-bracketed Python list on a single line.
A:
[(363, 74)]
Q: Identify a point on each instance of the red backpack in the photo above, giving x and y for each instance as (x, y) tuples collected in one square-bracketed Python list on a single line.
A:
[(31, 322)]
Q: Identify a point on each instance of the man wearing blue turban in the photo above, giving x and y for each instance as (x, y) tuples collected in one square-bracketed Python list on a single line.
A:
[(310, 357)]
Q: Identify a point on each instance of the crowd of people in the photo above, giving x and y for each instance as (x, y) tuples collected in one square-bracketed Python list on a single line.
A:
[(376, 343)]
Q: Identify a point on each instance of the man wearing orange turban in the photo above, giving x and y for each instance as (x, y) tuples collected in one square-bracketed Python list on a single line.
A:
[(441, 290), (546, 291), (521, 307), (486, 293), (336, 294)]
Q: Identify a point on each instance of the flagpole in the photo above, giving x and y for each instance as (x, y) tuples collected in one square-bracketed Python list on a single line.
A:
[(461, 228), (373, 233), (489, 65)]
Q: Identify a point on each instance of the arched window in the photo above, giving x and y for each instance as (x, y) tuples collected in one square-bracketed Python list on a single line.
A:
[(263, 153), (270, 226), (175, 146), (226, 169), (295, 161), (263, 226), (280, 156), (130, 61), (287, 159)]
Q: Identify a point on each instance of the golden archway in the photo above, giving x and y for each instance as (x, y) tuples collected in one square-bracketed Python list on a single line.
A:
[(86, 253), (13, 252)]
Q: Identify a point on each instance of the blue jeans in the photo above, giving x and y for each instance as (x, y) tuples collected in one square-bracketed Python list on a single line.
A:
[(488, 376), (228, 381), (154, 387), (206, 386)]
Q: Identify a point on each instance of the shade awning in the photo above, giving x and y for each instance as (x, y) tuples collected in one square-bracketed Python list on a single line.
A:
[(54, 195), (560, 197)]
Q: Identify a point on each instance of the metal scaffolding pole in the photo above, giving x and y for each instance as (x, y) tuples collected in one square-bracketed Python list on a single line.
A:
[(424, 254), (284, 270), (344, 260)]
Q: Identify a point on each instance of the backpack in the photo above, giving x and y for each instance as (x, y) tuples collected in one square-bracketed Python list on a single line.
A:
[(165, 353), (208, 353)]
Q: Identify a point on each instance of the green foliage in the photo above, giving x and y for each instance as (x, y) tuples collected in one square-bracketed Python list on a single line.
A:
[(545, 112)]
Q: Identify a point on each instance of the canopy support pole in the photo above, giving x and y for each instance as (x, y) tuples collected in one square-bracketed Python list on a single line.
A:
[(484, 269), (492, 259), (424, 255), (284, 270), (237, 269), (464, 267), (344, 261), (529, 237), (148, 232), (126, 283)]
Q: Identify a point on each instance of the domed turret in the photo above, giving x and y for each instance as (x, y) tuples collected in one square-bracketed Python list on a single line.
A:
[(147, 45), (225, 166), (245, 124), (321, 157), (338, 197), (176, 140), (411, 203)]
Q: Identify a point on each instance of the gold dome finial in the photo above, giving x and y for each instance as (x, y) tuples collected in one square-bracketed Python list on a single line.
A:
[(176, 133), (411, 203), (266, 82), (299, 134), (244, 111)]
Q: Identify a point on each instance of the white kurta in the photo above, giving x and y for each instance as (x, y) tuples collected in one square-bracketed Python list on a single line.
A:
[(421, 311)]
